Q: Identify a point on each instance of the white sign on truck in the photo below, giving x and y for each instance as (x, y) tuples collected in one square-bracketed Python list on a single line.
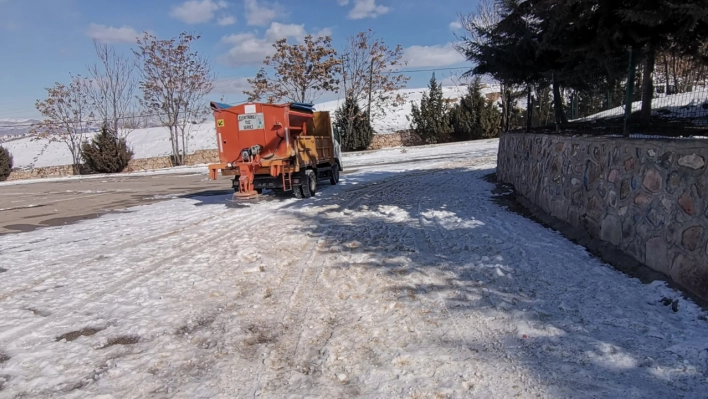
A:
[(250, 122)]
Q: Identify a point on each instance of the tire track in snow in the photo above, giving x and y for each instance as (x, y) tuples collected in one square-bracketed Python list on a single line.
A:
[(113, 250), (290, 347), (160, 265)]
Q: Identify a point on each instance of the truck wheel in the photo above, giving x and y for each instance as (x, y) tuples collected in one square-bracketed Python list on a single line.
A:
[(298, 192), (334, 179), (309, 187)]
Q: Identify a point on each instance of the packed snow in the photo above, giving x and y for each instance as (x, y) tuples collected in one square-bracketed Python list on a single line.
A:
[(30, 152), (406, 280)]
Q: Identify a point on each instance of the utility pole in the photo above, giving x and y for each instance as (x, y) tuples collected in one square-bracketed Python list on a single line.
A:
[(371, 83)]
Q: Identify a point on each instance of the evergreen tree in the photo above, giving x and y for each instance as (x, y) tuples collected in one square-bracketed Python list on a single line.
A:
[(5, 163), (353, 123), (106, 153), (474, 117), (431, 120)]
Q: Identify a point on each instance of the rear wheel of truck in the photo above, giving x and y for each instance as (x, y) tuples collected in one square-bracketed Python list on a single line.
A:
[(298, 192), (309, 186), (334, 179)]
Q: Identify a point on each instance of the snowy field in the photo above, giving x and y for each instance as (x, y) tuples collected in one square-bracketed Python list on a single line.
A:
[(154, 142), (405, 281), (691, 106)]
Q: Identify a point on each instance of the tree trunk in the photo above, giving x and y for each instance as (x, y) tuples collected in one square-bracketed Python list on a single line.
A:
[(648, 85), (529, 108), (561, 119)]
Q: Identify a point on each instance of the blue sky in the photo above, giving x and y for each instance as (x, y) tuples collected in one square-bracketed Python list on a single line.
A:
[(43, 41)]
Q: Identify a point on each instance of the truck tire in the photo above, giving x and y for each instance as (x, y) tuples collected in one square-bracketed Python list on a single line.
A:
[(297, 190), (334, 179), (309, 186)]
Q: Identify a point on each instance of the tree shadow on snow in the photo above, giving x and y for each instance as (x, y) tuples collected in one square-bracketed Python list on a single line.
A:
[(569, 319)]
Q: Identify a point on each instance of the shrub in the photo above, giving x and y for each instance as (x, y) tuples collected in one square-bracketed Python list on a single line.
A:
[(475, 117), (431, 120), (106, 153), (5, 163), (353, 124)]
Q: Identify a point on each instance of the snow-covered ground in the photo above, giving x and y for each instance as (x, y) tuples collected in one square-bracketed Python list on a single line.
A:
[(405, 281), (154, 142), (690, 106)]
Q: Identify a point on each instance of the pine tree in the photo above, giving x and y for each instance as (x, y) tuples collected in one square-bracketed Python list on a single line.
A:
[(5, 163), (474, 117), (354, 126), (106, 153), (431, 120)]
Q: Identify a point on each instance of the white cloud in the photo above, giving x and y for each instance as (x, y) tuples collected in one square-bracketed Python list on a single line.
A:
[(249, 49), (261, 14), (367, 9), (279, 31), (109, 34), (227, 20), (197, 11), (432, 56), (342, 2), (454, 25)]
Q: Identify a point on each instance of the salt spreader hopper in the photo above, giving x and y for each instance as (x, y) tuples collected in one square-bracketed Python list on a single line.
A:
[(280, 147)]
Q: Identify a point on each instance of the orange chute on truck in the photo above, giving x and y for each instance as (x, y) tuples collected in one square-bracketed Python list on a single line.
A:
[(281, 147)]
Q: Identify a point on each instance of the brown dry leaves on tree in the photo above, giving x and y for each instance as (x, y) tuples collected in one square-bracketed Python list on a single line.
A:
[(67, 114), (302, 72), (174, 81), (370, 64)]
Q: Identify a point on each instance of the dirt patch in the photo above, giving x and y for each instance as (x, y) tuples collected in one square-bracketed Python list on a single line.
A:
[(22, 228), (260, 335), (506, 196), (2, 270), (190, 328), (4, 358), (42, 313), (73, 335), (122, 340)]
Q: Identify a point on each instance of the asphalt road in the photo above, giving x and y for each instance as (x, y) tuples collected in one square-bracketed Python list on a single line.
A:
[(26, 207)]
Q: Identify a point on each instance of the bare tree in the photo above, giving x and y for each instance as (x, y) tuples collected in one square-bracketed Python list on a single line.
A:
[(370, 73), (174, 81), (303, 72), (475, 24), (113, 89), (67, 114)]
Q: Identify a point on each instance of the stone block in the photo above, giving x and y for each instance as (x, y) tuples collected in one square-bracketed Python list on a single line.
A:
[(655, 218), (613, 176), (673, 182), (625, 189), (691, 274), (652, 181), (687, 204), (629, 164), (642, 200), (611, 230), (692, 161), (692, 237), (595, 208), (666, 159), (657, 255)]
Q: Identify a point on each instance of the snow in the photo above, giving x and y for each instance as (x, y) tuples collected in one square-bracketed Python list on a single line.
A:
[(394, 119), (407, 280), (29, 152), (692, 106)]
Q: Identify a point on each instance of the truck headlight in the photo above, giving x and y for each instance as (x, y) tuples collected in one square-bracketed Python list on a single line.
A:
[(230, 165)]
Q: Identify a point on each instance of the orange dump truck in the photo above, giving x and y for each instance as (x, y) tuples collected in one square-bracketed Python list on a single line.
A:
[(280, 147)]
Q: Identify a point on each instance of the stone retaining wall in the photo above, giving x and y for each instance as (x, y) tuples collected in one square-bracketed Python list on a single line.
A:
[(647, 197), (197, 158), (398, 139)]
